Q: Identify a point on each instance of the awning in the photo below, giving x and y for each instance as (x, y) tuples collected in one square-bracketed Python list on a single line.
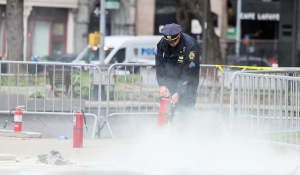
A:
[(259, 10), (260, 7)]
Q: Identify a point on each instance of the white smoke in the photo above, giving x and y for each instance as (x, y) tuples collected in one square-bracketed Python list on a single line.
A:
[(198, 144)]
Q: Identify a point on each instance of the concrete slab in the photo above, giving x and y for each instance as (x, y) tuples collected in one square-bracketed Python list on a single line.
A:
[(7, 157), (23, 134)]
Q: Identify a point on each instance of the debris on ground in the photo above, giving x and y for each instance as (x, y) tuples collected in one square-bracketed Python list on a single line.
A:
[(54, 158), (62, 137)]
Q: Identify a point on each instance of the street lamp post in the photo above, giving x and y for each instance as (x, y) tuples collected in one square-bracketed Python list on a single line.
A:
[(204, 33), (102, 32), (238, 27)]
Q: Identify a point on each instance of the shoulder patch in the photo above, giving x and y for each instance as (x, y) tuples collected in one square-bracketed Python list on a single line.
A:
[(192, 55), (192, 64)]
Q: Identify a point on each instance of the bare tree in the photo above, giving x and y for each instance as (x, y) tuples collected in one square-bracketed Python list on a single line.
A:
[(15, 30), (196, 9)]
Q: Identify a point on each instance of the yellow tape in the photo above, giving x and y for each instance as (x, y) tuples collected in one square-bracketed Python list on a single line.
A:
[(246, 67), (220, 68)]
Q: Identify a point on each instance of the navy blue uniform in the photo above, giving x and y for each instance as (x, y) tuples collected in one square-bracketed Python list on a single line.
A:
[(178, 68)]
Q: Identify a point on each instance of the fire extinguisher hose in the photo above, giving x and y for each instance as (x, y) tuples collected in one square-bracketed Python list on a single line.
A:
[(171, 110), (171, 114), (84, 121), (6, 121)]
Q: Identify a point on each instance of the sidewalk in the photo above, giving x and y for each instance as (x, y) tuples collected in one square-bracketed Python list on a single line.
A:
[(164, 153), (26, 152)]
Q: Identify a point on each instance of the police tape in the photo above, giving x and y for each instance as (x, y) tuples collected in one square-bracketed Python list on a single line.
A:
[(246, 67)]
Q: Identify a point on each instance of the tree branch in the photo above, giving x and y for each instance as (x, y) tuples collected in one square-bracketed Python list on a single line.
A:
[(196, 7)]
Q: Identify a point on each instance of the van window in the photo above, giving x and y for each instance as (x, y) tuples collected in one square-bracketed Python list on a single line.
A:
[(119, 57), (92, 54)]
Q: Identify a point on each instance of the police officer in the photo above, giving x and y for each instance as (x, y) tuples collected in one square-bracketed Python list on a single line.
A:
[(177, 66)]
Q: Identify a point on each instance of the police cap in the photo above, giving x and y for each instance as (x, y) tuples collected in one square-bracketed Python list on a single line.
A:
[(171, 32)]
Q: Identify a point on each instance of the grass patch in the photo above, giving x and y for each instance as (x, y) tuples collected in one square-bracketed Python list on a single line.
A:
[(82, 84), (129, 88), (24, 80), (288, 137), (129, 79)]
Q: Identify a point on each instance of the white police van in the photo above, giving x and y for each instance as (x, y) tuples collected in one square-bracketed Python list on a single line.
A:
[(122, 49)]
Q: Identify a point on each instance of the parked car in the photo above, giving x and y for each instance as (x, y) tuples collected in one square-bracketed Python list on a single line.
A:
[(246, 61), (65, 58)]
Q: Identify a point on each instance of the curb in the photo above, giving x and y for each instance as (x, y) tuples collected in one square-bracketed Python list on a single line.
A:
[(23, 134)]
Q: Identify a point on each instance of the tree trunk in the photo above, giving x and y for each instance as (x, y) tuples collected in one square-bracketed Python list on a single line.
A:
[(14, 31), (182, 15), (196, 7)]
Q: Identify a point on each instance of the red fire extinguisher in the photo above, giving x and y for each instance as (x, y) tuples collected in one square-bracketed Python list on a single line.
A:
[(18, 120), (78, 119), (18, 114), (163, 111)]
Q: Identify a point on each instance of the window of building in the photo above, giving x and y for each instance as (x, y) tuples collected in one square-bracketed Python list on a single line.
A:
[(47, 34), (41, 37), (57, 47), (58, 38), (58, 29)]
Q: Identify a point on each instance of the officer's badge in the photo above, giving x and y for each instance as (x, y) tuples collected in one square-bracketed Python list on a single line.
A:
[(169, 37), (180, 59), (192, 55)]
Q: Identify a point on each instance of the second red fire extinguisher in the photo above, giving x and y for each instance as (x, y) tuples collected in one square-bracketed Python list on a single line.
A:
[(78, 119), (18, 120), (18, 115)]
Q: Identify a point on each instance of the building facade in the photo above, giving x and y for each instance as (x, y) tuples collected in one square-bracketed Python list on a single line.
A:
[(53, 26), (50, 27), (289, 34), (146, 17), (259, 18), (165, 12), (133, 17)]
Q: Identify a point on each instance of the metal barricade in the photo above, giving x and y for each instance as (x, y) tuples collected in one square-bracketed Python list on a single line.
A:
[(265, 105), (213, 90), (135, 90), (48, 88)]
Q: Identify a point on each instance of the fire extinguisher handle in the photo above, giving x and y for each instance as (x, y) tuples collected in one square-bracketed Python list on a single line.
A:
[(168, 95), (20, 107), (75, 109)]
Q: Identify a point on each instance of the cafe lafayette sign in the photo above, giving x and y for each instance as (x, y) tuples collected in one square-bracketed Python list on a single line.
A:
[(260, 16)]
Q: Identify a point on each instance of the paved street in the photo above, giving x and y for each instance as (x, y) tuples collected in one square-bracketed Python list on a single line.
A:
[(152, 151)]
